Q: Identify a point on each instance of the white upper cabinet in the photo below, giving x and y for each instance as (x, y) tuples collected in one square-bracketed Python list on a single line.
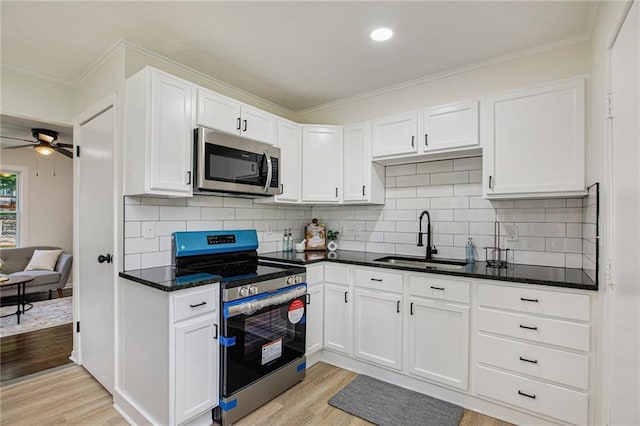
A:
[(158, 134), (363, 180), (534, 141), (450, 127), (395, 135), (220, 112), (321, 163), (289, 141)]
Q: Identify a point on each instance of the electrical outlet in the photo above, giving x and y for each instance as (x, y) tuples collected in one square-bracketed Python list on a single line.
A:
[(511, 232), (149, 230), (269, 230)]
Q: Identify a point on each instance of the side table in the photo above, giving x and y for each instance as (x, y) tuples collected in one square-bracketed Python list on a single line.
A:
[(20, 281)]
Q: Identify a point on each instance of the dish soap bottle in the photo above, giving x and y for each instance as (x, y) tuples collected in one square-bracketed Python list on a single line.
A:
[(289, 241), (469, 252), (285, 241)]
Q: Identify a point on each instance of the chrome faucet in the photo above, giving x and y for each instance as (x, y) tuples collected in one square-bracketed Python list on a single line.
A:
[(430, 250)]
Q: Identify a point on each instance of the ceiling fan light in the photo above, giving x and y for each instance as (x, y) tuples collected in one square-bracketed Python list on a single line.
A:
[(44, 149), (44, 135)]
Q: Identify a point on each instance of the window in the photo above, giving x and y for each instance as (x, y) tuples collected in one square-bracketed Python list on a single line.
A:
[(9, 208)]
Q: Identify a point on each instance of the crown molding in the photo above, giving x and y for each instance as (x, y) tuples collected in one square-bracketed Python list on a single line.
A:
[(449, 73), (111, 51)]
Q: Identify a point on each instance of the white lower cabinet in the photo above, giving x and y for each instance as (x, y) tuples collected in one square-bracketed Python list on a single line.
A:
[(438, 341), (533, 350), (378, 327), (338, 315), (168, 354)]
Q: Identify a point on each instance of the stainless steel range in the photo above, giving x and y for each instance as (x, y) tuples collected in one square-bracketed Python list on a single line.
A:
[(263, 317)]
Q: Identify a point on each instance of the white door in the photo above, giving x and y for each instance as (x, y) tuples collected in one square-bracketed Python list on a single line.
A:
[(434, 324), (378, 328), (395, 135), (95, 285), (257, 124), (337, 318), (624, 353), (450, 126), (218, 112)]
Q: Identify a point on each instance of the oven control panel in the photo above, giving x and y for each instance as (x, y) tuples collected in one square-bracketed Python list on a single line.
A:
[(294, 279), (248, 290)]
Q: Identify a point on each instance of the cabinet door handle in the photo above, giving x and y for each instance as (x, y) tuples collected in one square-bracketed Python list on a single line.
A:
[(438, 288), (532, 361), (199, 304), (238, 128), (336, 192), (527, 395), (377, 279), (216, 336), (398, 306), (308, 299), (363, 190), (188, 178), (426, 139), (490, 181), (245, 126), (282, 188), (411, 309), (526, 327), (345, 297), (524, 299), (413, 138)]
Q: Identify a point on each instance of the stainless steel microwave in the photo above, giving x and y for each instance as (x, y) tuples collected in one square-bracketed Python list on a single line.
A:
[(229, 163)]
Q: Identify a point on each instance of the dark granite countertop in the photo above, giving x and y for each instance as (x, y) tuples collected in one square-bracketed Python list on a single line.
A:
[(530, 274), (164, 278)]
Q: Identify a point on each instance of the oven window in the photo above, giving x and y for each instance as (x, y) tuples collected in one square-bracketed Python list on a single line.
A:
[(233, 165), (269, 327)]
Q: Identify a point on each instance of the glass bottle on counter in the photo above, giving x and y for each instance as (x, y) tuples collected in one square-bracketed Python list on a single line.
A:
[(285, 241), (469, 252)]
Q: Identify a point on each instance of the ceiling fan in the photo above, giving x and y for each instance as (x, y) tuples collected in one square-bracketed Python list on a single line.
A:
[(44, 144)]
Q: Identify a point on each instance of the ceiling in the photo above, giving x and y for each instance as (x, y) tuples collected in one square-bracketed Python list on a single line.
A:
[(298, 55)]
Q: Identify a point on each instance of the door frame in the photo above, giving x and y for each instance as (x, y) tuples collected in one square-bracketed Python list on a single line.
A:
[(89, 114)]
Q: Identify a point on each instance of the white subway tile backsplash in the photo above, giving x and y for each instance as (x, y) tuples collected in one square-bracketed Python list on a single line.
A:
[(478, 215), (380, 247), (541, 229), (450, 203), (352, 245), (132, 261), (475, 176), (140, 245), (470, 163), (179, 213), (574, 230), (410, 226), (481, 228), (410, 250), (412, 180), (526, 243), (449, 178), (408, 192), (440, 240), (573, 260), (238, 224), (564, 245), (344, 214), (574, 202), (390, 182), (441, 215), (394, 215), (244, 213), (204, 201), (540, 204), (217, 213), (203, 225), (169, 226), (165, 243), (237, 202), (467, 189), (434, 191), (435, 167), (412, 204), (132, 200), (401, 170), (573, 215), (381, 226), (451, 228), (538, 258), (401, 237), (155, 259), (132, 229), (139, 212), (522, 215), (162, 201)]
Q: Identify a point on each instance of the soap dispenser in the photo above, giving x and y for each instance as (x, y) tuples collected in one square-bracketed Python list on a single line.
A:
[(469, 252)]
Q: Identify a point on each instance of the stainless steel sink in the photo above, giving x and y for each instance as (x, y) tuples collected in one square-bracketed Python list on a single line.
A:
[(422, 263)]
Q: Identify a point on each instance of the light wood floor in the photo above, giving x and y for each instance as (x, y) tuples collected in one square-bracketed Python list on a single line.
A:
[(70, 396)]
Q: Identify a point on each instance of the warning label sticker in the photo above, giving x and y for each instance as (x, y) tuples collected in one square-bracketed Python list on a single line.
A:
[(296, 311), (271, 351)]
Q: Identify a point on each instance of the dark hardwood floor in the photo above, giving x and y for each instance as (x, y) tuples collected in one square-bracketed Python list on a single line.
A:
[(28, 353)]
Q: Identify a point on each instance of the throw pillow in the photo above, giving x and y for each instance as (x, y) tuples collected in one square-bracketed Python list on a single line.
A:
[(43, 260)]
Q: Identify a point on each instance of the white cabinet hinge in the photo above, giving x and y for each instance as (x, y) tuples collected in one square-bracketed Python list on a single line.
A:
[(608, 104)]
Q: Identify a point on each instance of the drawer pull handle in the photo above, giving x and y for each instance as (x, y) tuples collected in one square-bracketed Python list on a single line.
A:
[(411, 308), (438, 288), (398, 306), (527, 395), (345, 297), (532, 361), (216, 336), (377, 279), (199, 304), (524, 299), (526, 327)]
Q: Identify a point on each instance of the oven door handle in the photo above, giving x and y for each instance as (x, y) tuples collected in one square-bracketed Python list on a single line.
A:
[(269, 171), (254, 304)]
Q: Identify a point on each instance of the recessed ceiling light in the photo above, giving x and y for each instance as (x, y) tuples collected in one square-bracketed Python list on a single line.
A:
[(381, 34)]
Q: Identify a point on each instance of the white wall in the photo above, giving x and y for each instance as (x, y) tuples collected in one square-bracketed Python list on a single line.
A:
[(25, 95), (546, 66), (49, 212)]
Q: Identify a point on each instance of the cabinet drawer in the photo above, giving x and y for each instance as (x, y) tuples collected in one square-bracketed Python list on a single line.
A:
[(535, 329), (542, 302), (315, 274), (379, 280), (195, 303), (438, 288), (553, 401), (336, 274), (533, 360)]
